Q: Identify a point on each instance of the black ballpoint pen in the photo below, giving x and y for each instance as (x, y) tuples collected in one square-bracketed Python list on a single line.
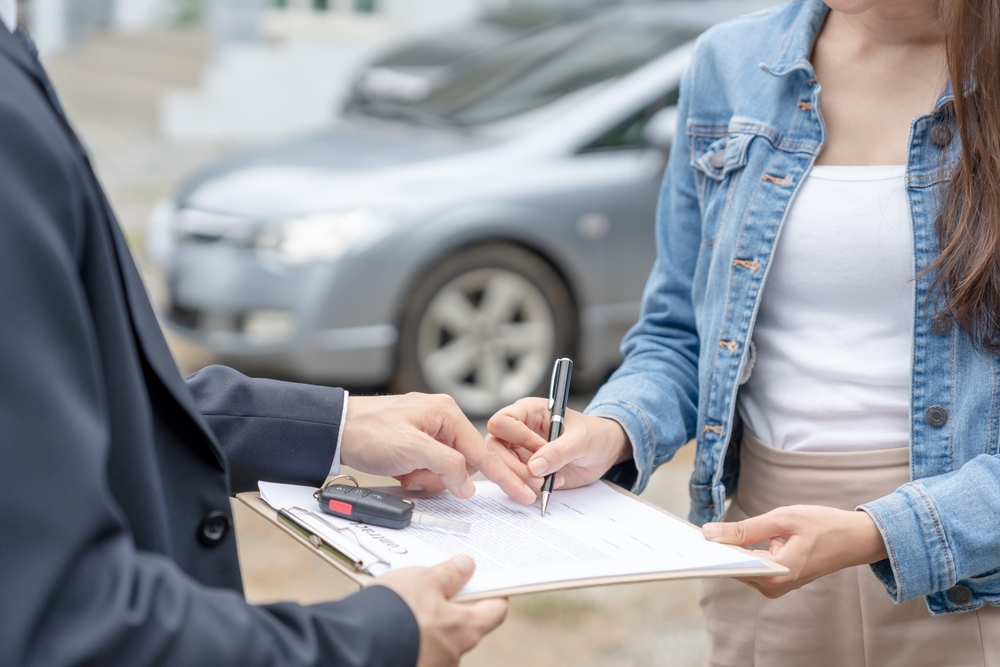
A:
[(558, 398)]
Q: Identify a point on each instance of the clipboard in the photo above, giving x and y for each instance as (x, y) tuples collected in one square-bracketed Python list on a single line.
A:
[(342, 563)]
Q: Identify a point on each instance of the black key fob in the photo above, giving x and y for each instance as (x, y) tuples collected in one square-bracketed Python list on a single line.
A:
[(366, 506)]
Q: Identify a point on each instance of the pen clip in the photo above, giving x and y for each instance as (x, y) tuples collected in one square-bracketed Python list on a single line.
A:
[(552, 385)]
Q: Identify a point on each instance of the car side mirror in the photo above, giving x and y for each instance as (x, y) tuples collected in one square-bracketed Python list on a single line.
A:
[(660, 129)]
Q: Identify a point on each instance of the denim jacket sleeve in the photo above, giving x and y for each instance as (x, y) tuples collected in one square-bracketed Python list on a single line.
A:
[(935, 532), (654, 394)]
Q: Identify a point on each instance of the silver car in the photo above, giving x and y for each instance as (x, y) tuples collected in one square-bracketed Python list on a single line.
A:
[(453, 234)]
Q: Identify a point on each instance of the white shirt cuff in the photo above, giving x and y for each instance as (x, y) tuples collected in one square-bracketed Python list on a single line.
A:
[(335, 466)]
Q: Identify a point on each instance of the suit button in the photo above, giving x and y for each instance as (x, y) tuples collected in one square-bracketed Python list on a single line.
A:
[(718, 159), (960, 594), (213, 528), (941, 325), (940, 135), (936, 415)]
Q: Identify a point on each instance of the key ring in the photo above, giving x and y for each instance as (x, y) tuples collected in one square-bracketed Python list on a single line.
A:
[(333, 480)]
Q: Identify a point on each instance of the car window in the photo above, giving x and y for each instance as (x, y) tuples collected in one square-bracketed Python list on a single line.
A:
[(536, 71), (628, 134)]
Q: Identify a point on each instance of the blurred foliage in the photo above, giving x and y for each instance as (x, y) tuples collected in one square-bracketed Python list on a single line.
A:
[(185, 12)]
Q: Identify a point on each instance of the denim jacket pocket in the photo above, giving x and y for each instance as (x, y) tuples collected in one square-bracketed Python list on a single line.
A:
[(717, 163), (722, 156)]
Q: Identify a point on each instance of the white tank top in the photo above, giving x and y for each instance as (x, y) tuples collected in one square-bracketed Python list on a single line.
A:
[(832, 342)]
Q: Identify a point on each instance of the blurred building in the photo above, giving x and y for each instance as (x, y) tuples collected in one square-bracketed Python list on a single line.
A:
[(276, 66), (286, 68), (56, 24)]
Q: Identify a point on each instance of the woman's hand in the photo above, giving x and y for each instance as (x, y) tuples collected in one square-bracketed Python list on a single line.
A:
[(586, 449), (809, 540)]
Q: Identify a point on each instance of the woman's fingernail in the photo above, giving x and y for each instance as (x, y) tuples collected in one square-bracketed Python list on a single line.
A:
[(560, 481), (468, 489), (414, 487), (712, 530), (538, 467), (530, 490)]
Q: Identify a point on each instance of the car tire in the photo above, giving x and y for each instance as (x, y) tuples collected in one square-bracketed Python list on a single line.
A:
[(484, 326)]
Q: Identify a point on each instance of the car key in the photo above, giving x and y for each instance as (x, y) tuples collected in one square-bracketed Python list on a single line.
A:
[(378, 508)]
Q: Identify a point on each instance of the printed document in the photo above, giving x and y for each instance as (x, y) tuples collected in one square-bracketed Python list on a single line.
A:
[(586, 533)]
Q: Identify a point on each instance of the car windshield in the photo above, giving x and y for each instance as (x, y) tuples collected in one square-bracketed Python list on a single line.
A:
[(538, 70)]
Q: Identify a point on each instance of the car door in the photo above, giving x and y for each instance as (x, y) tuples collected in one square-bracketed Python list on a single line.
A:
[(614, 207)]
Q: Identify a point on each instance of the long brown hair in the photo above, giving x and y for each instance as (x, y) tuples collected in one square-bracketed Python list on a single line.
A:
[(969, 225)]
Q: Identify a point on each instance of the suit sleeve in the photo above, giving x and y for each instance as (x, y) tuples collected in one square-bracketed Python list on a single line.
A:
[(270, 430), (75, 590)]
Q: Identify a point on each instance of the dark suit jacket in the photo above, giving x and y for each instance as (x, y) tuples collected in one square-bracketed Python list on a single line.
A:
[(116, 545)]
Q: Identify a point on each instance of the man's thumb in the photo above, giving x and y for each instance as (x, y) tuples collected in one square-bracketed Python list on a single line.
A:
[(454, 574), (740, 533)]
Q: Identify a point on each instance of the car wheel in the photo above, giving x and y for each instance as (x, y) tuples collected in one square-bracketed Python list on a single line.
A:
[(484, 326)]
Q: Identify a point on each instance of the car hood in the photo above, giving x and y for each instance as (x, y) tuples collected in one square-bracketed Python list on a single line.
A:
[(331, 167)]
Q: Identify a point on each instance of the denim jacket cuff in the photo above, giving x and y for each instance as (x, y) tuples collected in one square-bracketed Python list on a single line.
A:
[(639, 432), (920, 561)]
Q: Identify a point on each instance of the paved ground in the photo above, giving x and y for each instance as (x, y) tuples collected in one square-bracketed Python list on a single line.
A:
[(110, 87)]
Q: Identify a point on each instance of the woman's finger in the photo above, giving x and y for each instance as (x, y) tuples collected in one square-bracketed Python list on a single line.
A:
[(557, 454), (749, 531), (515, 432)]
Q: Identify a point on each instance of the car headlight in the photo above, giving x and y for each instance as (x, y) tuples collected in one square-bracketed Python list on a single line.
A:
[(324, 236)]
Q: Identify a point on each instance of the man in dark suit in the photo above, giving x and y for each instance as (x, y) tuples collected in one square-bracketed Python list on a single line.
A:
[(116, 545)]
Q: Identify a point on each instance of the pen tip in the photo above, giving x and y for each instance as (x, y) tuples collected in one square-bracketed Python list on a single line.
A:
[(545, 501)]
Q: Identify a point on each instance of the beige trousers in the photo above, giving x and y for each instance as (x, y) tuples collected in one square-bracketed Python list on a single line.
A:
[(845, 619)]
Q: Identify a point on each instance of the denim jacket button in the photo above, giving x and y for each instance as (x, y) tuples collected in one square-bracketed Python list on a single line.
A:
[(941, 325), (936, 415), (718, 159), (941, 135), (960, 594)]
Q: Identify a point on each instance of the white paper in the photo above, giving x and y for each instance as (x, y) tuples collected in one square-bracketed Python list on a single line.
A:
[(588, 532)]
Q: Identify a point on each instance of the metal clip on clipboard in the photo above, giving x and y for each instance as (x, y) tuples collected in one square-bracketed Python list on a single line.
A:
[(310, 526)]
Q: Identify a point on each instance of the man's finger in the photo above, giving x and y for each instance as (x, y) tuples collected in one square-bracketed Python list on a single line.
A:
[(509, 458), (749, 531), (488, 614), (453, 574), (486, 460), (446, 463), (421, 480), (514, 462)]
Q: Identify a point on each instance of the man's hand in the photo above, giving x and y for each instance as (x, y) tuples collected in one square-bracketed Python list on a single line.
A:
[(587, 448), (809, 540), (447, 629), (425, 442)]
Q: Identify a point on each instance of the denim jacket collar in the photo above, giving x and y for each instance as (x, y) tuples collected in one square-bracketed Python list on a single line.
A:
[(796, 47), (795, 51)]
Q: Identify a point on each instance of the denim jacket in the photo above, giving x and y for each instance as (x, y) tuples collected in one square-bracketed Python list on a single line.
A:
[(750, 128)]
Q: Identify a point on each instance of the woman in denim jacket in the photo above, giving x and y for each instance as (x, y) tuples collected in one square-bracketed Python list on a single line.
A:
[(823, 318)]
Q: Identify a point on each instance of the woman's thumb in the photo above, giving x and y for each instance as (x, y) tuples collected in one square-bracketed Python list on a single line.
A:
[(749, 531)]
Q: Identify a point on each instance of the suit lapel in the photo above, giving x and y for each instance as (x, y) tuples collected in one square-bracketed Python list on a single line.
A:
[(10, 47), (146, 328), (19, 48)]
